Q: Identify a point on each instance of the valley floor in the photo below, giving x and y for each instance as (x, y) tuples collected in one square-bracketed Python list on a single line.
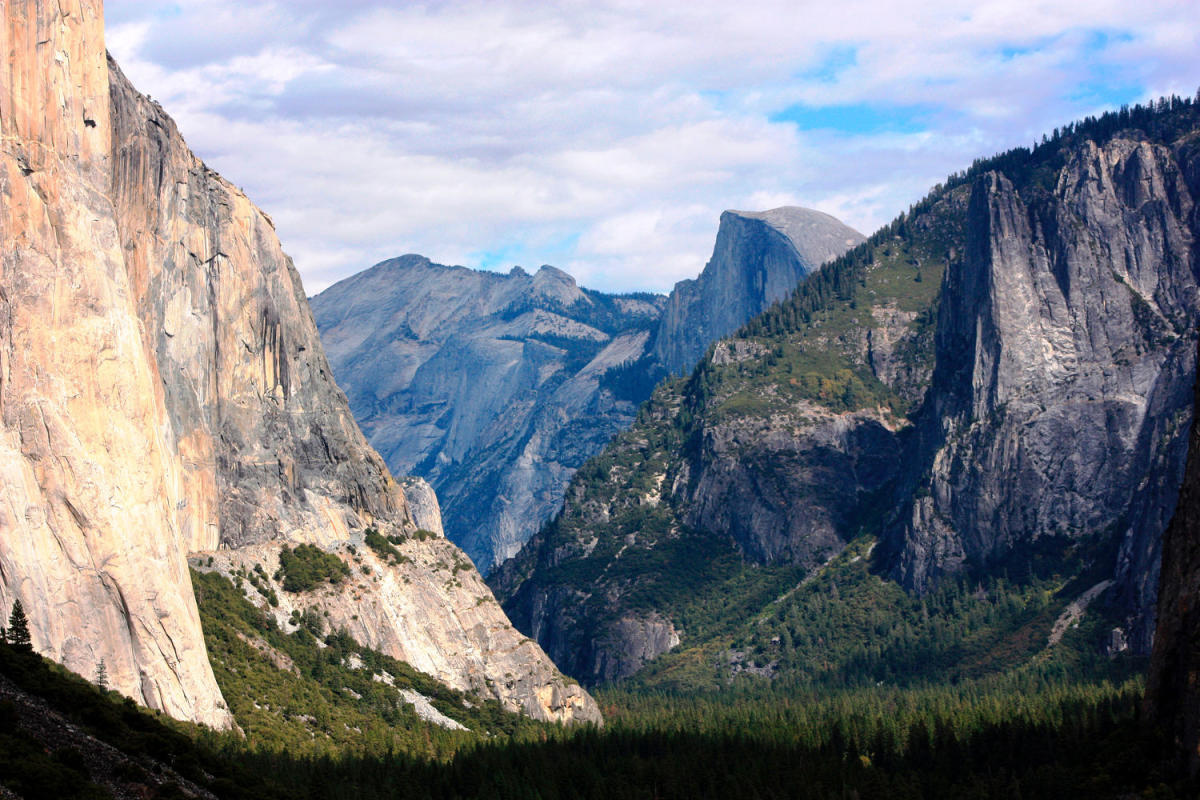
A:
[(1025, 735)]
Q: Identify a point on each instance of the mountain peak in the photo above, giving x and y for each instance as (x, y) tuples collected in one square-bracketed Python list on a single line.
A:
[(817, 236)]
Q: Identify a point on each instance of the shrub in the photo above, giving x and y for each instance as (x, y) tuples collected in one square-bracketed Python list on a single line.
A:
[(306, 567)]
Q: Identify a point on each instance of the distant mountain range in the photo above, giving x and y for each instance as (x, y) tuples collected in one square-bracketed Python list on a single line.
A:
[(496, 388)]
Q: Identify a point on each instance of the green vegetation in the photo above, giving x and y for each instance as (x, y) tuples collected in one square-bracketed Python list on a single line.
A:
[(847, 627), (17, 633), (384, 546), (304, 696), (1025, 737), (856, 335), (306, 567), (813, 344)]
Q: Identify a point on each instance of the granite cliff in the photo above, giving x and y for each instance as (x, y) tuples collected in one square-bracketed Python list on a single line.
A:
[(565, 367), (1173, 682), (165, 392), (1071, 319), (758, 258), (1002, 372)]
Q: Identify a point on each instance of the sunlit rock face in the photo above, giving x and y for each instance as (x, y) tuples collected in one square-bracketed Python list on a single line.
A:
[(94, 515), (165, 391)]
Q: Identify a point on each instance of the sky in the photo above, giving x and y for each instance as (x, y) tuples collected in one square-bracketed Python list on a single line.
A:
[(606, 138)]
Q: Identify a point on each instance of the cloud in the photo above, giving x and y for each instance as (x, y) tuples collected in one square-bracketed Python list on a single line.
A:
[(607, 137)]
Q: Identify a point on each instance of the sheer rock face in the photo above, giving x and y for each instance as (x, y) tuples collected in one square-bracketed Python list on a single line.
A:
[(758, 258), (92, 539), (1173, 682), (490, 386), (165, 390), (750, 473), (1066, 352), (268, 446)]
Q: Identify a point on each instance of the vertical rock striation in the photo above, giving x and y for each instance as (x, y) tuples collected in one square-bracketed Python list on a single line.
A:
[(1066, 351), (268, 447), (163, 390), (92, 538)]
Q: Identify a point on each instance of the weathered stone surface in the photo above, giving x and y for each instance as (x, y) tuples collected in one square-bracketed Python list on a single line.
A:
[(165, 391), (758, 258), (423, 504), (1173, 681), (92, 540), (786, 487), (267, 444), (1066, 351)]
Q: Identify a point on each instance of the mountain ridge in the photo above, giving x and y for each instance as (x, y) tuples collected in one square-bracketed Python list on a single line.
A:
[(411, 341)]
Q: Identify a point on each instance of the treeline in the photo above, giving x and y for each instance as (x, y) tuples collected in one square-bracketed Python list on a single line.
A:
[(1003, 739)]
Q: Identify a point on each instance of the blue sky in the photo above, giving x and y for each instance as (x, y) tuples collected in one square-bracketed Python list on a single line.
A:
[(607, 137)]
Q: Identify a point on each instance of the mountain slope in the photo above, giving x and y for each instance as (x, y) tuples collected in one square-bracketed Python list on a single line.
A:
[(492, 387), (1005, 415), (165, 392), (564, 368)]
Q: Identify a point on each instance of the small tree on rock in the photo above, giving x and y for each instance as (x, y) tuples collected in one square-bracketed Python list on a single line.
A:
[(18, 628), (102, 675)]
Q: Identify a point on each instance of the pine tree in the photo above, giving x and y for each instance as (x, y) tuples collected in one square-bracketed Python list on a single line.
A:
[(102, 675), (18, 628)]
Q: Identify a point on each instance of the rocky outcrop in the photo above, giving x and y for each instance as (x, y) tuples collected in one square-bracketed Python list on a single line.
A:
[(429, 607), (165, 391), (1070, 319), (758, 258), (565, 368), (423, 505), (494, 388), (749, 472), (1173, 680), (268, 447)]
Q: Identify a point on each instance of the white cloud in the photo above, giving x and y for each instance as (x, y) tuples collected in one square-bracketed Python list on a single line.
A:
[(606, 138)]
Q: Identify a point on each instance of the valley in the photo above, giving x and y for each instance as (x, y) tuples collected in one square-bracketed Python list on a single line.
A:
[(904, 515)]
